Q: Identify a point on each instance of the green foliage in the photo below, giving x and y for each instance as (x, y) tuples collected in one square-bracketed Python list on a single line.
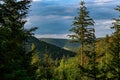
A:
[(101, 55), (82, 24), (23, 57), (68, 69), (83, 32), (14, 61), (114, 49), (45, 69)]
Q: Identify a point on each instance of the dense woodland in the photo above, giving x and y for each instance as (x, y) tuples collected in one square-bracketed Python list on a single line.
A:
[(96, 59)]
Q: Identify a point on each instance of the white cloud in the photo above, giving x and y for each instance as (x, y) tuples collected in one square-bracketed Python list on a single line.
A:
[(45, 0), (32, 0), (102, 2), (37, 0), (48, 18), (103, 27), (68, 17), (105, 24), (28, 23), (61, 36)]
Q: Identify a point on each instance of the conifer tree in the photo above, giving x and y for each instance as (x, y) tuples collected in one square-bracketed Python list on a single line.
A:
[(63, 74), (114, 49), (15, 62), (83, 33), (45, 69)]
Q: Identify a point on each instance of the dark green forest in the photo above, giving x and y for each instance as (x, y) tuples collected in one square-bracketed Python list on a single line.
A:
[(54, 51), (62, 43), (24, 57)]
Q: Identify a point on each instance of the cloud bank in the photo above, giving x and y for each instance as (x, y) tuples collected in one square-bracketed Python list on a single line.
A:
[(55, 17)]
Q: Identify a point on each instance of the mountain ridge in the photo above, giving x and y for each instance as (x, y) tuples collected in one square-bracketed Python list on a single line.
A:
[(63, 43), (53, 50)]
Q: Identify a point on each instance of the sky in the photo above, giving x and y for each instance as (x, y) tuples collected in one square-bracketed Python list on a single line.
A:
[(54, 17)]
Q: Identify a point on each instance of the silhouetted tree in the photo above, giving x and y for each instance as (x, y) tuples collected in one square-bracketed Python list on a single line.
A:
[(15, 62)]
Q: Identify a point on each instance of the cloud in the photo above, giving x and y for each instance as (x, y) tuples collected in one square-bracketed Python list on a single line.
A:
[(61, 36), (103, 27), (51, 24), (44, 0), (37, 0), (48, 19), (54, 17), (102, 2), (68, 17)]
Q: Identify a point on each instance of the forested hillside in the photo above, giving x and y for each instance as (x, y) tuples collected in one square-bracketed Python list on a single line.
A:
[(24, 57), (54, 51), (63, 43)]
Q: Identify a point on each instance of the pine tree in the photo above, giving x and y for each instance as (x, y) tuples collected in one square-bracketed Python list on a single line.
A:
[(15, 62), (114, 49), (83, 33), (45, 69), (63, 74)]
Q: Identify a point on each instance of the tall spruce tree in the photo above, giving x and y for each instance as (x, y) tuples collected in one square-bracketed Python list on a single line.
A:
[(83, 33), (115, 49), (14, 61)]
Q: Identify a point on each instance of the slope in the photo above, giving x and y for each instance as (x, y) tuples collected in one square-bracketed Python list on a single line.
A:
[(53, 50), (63, 43)]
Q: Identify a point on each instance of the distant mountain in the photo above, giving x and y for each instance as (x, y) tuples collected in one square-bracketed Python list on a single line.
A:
[(55, 51), (63, 43)]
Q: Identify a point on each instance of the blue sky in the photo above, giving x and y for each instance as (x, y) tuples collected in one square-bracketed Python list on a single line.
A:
[(54, 17)]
